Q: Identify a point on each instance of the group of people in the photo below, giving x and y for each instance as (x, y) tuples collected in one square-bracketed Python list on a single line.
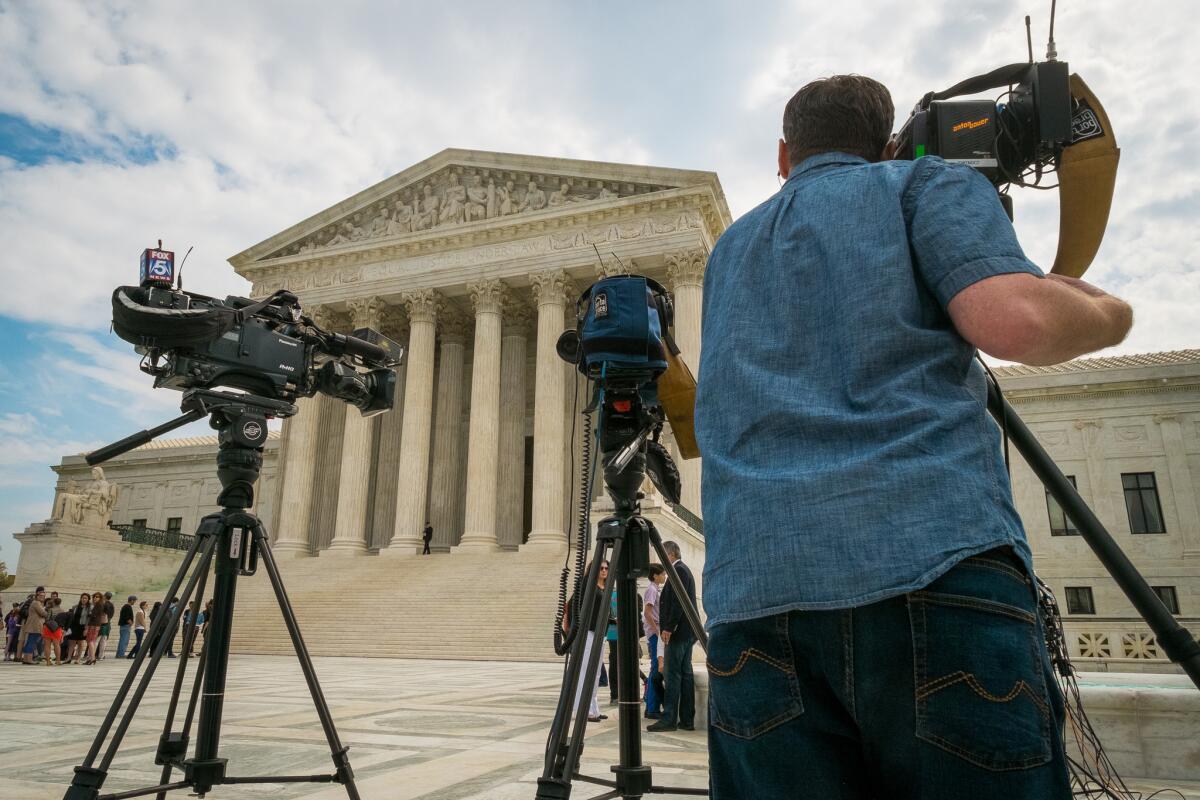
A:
[(42, 629), (670, 688)]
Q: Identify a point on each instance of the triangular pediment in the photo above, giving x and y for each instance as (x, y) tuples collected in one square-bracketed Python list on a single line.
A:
[(468, 187)]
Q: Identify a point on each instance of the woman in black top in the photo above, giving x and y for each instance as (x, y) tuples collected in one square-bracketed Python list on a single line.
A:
[(79, 618), (590, 617)]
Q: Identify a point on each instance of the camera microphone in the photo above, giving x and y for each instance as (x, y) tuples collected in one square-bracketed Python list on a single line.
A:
[(342, 344)]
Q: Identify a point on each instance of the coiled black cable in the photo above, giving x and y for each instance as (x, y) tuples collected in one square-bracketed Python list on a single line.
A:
[(583, 530)]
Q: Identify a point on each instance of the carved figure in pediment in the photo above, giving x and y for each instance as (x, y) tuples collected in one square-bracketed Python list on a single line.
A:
[(479, 198), (563, 196), (508, 203), (426, 215), (380, 222), (402, 217), (535, 198), (491, 198), (344, 233), (360, 229), (607, 194), (454, 202)]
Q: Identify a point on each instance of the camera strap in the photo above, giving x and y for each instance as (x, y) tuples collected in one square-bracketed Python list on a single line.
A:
[(1000, 76)]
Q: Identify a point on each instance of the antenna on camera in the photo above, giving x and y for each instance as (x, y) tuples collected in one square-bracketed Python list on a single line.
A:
[(1029, 38), (619, 261), (1051, 49), (179, 274), (599, 257)]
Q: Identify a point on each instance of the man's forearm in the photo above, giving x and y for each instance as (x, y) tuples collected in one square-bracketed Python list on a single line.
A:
[(1077, 318)]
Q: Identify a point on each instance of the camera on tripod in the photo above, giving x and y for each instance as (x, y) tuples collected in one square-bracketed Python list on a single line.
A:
[(266, 347)]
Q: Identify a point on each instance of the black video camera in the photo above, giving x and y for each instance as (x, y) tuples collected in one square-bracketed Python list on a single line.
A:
[(265, 347)]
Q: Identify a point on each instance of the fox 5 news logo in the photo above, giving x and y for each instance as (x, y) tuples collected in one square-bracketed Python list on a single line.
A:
[(157, 267)]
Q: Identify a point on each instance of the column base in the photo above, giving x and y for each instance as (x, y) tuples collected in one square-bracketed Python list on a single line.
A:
[(290, 550), (403, 549), (546, 540), (476, 544), (345, 549)]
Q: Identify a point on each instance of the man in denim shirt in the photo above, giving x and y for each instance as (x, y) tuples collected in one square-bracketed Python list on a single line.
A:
[(867, 579)]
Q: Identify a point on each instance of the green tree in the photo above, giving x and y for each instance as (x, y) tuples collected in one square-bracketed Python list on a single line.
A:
[(6, 580)]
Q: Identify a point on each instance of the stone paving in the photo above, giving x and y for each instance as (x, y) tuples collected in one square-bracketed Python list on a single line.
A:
[(427, 730)]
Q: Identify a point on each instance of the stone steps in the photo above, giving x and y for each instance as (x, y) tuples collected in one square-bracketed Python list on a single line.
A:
[(491, 606)]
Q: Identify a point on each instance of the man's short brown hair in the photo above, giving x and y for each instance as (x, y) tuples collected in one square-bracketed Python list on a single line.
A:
[(844, 113)]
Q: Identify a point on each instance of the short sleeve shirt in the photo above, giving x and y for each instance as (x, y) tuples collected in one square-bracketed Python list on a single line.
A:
[(848, 453), (650, 617)]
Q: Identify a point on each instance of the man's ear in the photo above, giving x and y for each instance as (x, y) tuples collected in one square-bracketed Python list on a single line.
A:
[(785, 162), (889, 149)]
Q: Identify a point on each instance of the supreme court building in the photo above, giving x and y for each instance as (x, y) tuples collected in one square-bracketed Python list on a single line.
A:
[(473, 261)]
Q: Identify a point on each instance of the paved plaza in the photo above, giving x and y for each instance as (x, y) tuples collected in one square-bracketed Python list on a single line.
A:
[(444, 730), (433, 730)]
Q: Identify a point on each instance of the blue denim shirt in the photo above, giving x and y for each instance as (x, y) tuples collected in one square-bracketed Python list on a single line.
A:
[(848, 453)]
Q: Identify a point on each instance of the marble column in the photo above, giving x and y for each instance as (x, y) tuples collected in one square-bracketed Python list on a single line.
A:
[(291, 535), (510, 502), (483, 449), (394, 325), (446, 488), (413, 480), (685, 270), (1182, 493), (354, 480), (551, 290)]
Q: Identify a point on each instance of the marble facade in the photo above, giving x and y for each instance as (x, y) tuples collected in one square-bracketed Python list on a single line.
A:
[(473, 261)]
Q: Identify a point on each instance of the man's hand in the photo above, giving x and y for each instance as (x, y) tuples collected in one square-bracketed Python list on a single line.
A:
[(666, 636), (1038, 321)]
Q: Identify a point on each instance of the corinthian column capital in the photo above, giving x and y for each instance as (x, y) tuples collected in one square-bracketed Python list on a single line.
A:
[(423, 305), (551, 286), (686, 267), (453, 325), (487, 296), (518, 316), (365, 312)]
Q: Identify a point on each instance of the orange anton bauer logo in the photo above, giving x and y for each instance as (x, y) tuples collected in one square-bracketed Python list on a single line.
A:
[(967, 126)]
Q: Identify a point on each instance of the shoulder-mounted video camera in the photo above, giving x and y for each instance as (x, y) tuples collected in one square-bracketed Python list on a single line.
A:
[(1043, 121), (266, 347)]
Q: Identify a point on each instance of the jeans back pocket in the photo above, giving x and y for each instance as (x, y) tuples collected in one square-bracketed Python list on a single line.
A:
[(752, 680), (980, 687)]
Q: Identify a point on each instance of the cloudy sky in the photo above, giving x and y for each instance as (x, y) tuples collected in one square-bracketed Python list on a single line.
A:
[(217, 124)]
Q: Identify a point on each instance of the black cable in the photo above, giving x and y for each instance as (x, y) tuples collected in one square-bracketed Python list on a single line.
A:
[(1004, 419)]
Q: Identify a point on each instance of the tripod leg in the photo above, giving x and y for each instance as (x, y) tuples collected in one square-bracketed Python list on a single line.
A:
[(689, 609), (562, 757), (173, 747), (340, 753), (88, 778)]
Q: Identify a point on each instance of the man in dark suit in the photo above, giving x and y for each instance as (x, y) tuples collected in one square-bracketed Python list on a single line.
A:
[(428, 537), (679, 704)]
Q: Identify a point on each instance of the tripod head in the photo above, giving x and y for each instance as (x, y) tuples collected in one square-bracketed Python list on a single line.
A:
[(628, 433), (241, 424)]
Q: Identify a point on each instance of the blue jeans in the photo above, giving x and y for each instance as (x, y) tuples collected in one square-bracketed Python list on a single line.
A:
[(653, 701), (33, 644), (123, 640), (679, 706), (946, 692)]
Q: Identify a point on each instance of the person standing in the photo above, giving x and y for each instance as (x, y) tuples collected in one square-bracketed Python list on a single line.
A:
[(63, 618), (12, 631), (31, 628), (125, 625), (650, 621), (610, 641), (868, 583), (52, 633), (679, 703), (110, 611), (139, 628), (22, 615), (78, 627), (173, 610), (96, 619), (588, 620), (428, 537)]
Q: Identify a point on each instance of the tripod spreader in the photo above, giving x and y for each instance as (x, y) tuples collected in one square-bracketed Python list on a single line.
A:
[(1176, 641)]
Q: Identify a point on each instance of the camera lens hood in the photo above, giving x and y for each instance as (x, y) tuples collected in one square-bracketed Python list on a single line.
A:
[(138, 322)]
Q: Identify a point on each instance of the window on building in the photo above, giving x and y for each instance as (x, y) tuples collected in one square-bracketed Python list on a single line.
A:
[(174, 524), (1168, 596), (1079, 600), (139, 523), (1141, 501), (1059, 524)]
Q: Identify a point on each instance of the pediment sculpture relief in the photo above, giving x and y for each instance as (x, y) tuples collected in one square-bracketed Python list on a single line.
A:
[(455, 197)]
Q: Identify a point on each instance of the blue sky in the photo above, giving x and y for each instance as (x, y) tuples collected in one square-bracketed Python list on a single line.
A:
[(218, 124)]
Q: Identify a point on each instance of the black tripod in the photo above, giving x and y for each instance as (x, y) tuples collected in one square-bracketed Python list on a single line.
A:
[(230, 542), (629, 536)]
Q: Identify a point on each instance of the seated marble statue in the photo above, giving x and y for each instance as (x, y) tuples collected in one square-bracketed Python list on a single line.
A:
[(535, 198), (508, 203), (426, 216), (344, 234), (379, 225), (92, 507), (454, 202), (479, 199), (562, 196), (401, 219)]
